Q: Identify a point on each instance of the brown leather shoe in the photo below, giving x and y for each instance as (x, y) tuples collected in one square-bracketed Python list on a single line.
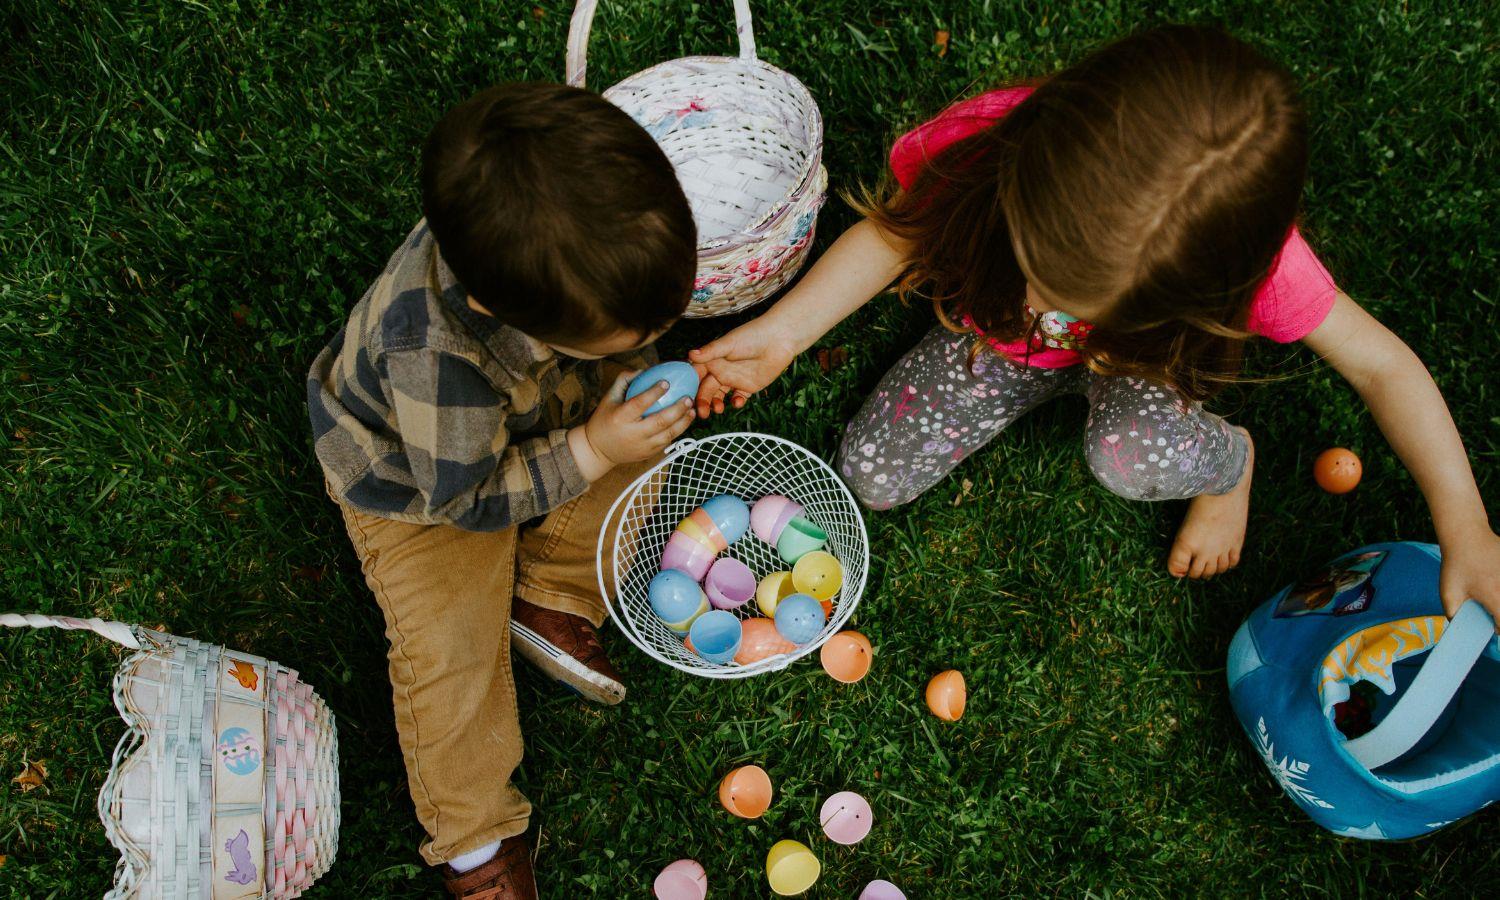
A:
[(567, 648), (506, 877)]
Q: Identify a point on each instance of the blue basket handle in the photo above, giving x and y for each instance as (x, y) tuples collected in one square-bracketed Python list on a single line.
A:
[(1438, 680)]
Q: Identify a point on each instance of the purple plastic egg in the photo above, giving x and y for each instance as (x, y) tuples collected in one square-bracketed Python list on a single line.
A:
[(770, 514), (880, 889), (846, 818), (730, 584), (687, 555)]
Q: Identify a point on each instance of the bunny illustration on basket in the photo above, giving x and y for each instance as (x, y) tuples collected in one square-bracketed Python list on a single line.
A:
[(746, 140), (225, 783)]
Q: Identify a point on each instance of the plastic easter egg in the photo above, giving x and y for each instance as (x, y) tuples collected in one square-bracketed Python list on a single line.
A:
[(760, 641), (730, 584), (799, 538), (702, 529), (846, 818), (880, 889), (770, 514), (947, 694), (1337, 470), (716, 635), (682, 880), (681, 379), (791, 868), (799, 618), (819, 574), (746, 792), (676, 599), (846, 656), (687, 555), (730, 514), (773, 589)]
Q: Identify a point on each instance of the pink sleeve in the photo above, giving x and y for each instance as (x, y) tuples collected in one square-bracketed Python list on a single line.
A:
[(914, 149), (1296, 297)]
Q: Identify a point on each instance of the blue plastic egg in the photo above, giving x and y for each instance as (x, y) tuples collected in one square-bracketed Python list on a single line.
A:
[(676, 599), (799, 618), (681, 379), (716, 635), (730, 514)]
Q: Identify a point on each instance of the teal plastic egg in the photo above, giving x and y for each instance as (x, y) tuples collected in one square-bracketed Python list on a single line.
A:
[(681, 379), (730, 514), (676, 599), (800, 618)]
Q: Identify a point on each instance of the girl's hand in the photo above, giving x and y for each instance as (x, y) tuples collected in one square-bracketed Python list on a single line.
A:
[(740, 363), (1471, 570)]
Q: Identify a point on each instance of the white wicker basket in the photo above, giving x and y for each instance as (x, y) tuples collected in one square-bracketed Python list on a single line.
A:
[(225, 784), (746, 140), (749, 466)]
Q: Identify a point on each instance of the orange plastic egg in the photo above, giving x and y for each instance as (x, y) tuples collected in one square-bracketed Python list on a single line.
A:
[(846, 656), (947, 694), (1337, 470), (746, 792), (759, 640)]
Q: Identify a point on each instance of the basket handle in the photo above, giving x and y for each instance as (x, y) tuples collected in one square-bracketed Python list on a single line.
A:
[(1440, 677), (119, 632), (583, 20)]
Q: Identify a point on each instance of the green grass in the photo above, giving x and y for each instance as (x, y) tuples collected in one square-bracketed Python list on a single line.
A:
[(193, 194)]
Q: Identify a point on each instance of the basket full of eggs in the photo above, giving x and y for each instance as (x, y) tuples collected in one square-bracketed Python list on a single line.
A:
[(736, 554)]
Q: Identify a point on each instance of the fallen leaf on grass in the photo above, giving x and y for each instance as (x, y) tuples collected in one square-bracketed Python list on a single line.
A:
[(963, 492), (830, 359), (940, 38), (33, 776)]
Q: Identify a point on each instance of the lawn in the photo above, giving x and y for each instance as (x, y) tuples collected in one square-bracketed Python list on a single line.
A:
[(192, 194)]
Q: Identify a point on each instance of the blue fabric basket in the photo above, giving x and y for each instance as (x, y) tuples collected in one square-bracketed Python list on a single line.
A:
[(1376, 714)]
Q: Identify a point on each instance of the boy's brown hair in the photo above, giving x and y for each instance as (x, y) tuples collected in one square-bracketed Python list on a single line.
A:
[(558, 213), (1160, 175)]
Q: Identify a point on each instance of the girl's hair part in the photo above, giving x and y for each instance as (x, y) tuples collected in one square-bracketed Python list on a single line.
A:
[(1157, 180)]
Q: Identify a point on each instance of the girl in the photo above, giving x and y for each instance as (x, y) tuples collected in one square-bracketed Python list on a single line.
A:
[(1119, 230)]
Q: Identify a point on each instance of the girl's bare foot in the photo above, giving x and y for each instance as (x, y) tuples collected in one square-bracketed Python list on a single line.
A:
[(1213, 532)]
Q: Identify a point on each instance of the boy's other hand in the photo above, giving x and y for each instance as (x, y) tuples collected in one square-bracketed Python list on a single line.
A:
[(738, 364), (616, 432)]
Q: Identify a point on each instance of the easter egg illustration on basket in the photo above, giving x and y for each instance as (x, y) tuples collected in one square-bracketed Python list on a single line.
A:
[(947, 695), (746, 792), (799, 618), (760, 641), (676, 599), (681, 379)]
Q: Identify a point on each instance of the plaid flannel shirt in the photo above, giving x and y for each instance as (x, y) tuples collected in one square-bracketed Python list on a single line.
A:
[(426, 411)]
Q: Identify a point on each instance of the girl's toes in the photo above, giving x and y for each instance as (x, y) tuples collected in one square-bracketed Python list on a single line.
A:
[(1200, 563), (1179, 561), (1234, 558)]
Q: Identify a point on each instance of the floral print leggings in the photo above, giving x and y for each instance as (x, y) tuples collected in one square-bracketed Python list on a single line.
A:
[(931, 410)]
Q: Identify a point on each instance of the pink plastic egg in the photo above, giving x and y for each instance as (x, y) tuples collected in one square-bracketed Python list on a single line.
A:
[(846, 818), (770, 514), (730, 584), (682, 880), (687, 555), (880, 889)]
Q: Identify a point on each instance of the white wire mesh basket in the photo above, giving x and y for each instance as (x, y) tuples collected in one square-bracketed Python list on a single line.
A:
[(225, 784), (746, 140), (749, 466)]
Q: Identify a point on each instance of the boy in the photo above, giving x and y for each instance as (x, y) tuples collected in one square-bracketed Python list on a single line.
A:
[(471, 424)]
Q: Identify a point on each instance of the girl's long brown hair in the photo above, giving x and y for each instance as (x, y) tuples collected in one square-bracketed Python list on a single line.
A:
[(1159, 178)]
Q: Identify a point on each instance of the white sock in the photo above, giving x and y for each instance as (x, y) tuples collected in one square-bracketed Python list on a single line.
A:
[(467, 862)]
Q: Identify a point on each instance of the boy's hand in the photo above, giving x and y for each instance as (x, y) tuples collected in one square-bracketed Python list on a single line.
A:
[(1471, 571), (616, 433), (740, 363)]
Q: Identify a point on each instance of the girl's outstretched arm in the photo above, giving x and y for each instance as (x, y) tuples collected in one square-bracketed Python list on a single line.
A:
[(1410, 411), (862, 262)]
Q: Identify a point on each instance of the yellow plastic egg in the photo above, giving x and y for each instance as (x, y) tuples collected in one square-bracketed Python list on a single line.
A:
[(819, 574), (773, 589), (846, 657), (791, 868), (746, 792), (947, 694)]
